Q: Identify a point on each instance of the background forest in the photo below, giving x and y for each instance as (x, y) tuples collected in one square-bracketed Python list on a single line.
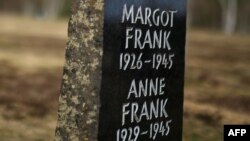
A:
[(33, 35)]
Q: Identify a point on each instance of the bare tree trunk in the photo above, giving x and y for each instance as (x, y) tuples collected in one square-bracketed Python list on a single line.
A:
[(52, 8), (190, 13), (229, 15), (28, 7)]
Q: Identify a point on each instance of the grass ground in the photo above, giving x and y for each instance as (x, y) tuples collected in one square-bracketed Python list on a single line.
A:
[(31, 60), (217, 84)]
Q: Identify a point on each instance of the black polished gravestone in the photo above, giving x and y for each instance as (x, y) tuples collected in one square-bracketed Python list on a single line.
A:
[(141, 96)]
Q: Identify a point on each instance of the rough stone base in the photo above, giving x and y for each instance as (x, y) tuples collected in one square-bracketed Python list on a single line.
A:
[(79, 100)]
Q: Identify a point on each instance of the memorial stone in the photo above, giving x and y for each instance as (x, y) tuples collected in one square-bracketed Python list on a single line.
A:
[(124, 72)]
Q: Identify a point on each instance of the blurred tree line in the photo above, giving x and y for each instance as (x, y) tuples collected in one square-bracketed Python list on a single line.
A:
[(228, 16), (48, 9)]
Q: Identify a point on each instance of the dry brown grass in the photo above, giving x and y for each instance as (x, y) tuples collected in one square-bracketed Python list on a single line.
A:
[(31, 59), (217, 84), (11, 24)]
